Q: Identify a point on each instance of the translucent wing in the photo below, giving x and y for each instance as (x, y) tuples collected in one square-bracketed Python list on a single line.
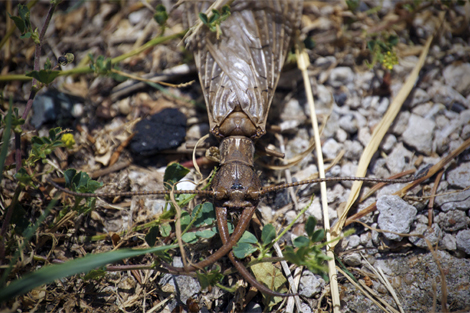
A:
[(240, 69)]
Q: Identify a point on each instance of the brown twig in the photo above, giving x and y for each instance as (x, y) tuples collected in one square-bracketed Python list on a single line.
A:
[(433, 196)]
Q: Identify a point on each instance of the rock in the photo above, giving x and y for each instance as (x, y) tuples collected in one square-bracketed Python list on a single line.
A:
[(395, 215), (447, 95), (353, 150), (419, 134), (401, 122), (453, 220), (460, 176), (382, 107), (366, 238), (340, 76), (197, 131), (463, 240), (454, 200), (331, 148), (457, 76), (293, 111), (324, 62), (465, 134), (340, 98), (419, 96), (184, 287), (364, 136), (352, 259), (348, 123), (137, 16), (448, 242), (370, 101), (310, 284), (399, 159), (163, 130), (353, 241), (432, 235), (388, 143), (341, 135)]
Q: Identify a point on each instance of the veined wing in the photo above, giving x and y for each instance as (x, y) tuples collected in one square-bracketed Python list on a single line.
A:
[(239, 70)]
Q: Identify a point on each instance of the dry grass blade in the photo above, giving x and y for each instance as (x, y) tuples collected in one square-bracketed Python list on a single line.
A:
[(381, 129), (303, 62)]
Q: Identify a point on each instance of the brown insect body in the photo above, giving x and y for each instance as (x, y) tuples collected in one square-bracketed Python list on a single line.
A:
[(239, 72)]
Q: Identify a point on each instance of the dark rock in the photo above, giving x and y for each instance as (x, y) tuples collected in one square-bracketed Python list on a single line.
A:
[(161, 131)]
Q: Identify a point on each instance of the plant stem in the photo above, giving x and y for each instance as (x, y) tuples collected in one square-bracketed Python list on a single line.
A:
[(13, 27)]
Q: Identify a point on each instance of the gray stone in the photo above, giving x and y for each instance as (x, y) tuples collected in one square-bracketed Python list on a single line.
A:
[(453, 220), (465, 134), (340, 76), (366, 238), (353, 150), (447, 95), (457, 75), (420, 96), (401, 122), (341, 135), (197, 131), (310, 284), (183, 286), (364, 136), (331, 148), (463, 240), (353, 241), (432, 235), (389, 142), (348, 123), (448, 242), (352, 259), (293, 111), (395, 215), (324, 62), (399, 159), (460, 176), (370, 101), (419, 133), (382, 106), (454, 199)]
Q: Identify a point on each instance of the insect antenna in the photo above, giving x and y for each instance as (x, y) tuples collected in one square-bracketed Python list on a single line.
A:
[(421, 174), (130, 193)]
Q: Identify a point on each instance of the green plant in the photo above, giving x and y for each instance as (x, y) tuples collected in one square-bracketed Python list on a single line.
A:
[(217, 17), (383, 52)]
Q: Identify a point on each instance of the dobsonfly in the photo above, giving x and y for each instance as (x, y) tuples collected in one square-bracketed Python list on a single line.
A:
[(239, 67)]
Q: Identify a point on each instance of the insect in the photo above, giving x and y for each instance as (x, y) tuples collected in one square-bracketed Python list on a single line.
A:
[(239, 66)]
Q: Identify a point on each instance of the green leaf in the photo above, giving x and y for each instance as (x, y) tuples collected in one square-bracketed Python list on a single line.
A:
[(19, 23), (68, 175), (185, 219), (24, 178), (310, 225), (206, 214), (248, 237), (47, 64), (209, 279), (301, 241), (165, 229), (393, 40), (268, 234), (49, 273), (242, 249), (318, 235), (95, 274), (151, 237), (173, 174), (160, 16), (207, 233), (189, 237), (44, 76), (203, 18), (273, 278)]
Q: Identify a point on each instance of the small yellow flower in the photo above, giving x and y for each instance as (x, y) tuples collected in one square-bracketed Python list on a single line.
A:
[(68, 140), (389, 60)]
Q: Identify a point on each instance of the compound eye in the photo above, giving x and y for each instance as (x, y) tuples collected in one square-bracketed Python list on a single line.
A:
[(220, 193), (253, 193)]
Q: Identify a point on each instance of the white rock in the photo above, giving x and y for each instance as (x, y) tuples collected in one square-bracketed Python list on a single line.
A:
[(395, 215), (463, 240), (340, 76), (419, 133), (457, 75), (460, 176)]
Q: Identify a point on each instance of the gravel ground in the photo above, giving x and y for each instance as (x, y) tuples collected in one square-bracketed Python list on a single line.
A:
[(350, 100)]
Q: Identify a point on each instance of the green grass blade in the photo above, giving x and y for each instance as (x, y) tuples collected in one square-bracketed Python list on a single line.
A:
[(50, 273)]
